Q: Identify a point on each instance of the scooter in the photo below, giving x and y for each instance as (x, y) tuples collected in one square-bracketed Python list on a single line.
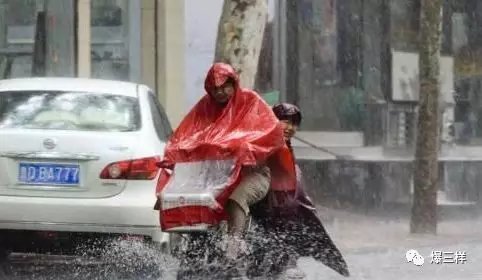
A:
[(191, 213), (190, 200)]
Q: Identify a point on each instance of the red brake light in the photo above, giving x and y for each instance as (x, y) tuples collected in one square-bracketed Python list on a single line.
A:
[(136, 169)]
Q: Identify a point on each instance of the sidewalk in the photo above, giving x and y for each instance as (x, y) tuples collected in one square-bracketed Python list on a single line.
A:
[(375, 247), (351, 144), (353, 232), (392, 265)]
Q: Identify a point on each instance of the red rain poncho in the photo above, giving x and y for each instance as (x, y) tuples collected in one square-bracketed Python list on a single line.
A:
[(245, 130)]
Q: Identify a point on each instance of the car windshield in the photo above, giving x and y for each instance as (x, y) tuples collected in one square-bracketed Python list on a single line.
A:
[(68, 111)]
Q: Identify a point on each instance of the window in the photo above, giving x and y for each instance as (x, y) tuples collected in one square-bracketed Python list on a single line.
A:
[(161, 122), (405, 22), (110, 39), (30, 46), (466, 44), (68, 111)]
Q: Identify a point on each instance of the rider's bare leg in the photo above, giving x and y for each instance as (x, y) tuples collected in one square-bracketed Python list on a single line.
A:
[(254, 186), (236, 218), (236, 227)]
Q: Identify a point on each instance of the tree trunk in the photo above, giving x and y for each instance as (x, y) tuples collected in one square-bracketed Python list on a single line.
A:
[(240, 36), (424, 208)]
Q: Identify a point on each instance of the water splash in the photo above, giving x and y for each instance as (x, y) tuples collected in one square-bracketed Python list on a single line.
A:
[(118, 259)]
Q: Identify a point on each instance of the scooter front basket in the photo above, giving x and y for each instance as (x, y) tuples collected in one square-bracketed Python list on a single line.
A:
[(189, 201)]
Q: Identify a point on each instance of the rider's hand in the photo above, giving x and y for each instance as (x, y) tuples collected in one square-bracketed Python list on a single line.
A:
[(165, 165)]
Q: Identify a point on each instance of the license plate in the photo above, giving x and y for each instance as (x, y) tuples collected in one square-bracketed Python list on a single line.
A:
[(49, 174)]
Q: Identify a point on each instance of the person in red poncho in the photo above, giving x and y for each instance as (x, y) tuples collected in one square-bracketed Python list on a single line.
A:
[(230, 122)]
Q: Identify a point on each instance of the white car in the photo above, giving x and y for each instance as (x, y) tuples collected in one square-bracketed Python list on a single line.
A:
[(79, 156)]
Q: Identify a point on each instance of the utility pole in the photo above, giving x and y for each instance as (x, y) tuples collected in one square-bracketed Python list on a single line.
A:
[(424, 207)]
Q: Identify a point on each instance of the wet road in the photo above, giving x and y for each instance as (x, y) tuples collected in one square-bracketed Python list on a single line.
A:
[(372, 264), (374, 249), (392, 264), (121, 260)]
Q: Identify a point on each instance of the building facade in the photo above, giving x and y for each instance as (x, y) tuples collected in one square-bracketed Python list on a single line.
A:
[(139, 41), (341, 61), (353, 66)]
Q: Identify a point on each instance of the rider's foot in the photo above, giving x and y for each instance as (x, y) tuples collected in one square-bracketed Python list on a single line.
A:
[(235, 247), (295, 273)]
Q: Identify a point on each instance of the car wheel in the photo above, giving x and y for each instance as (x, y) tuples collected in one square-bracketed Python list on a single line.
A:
[(4, 267)]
